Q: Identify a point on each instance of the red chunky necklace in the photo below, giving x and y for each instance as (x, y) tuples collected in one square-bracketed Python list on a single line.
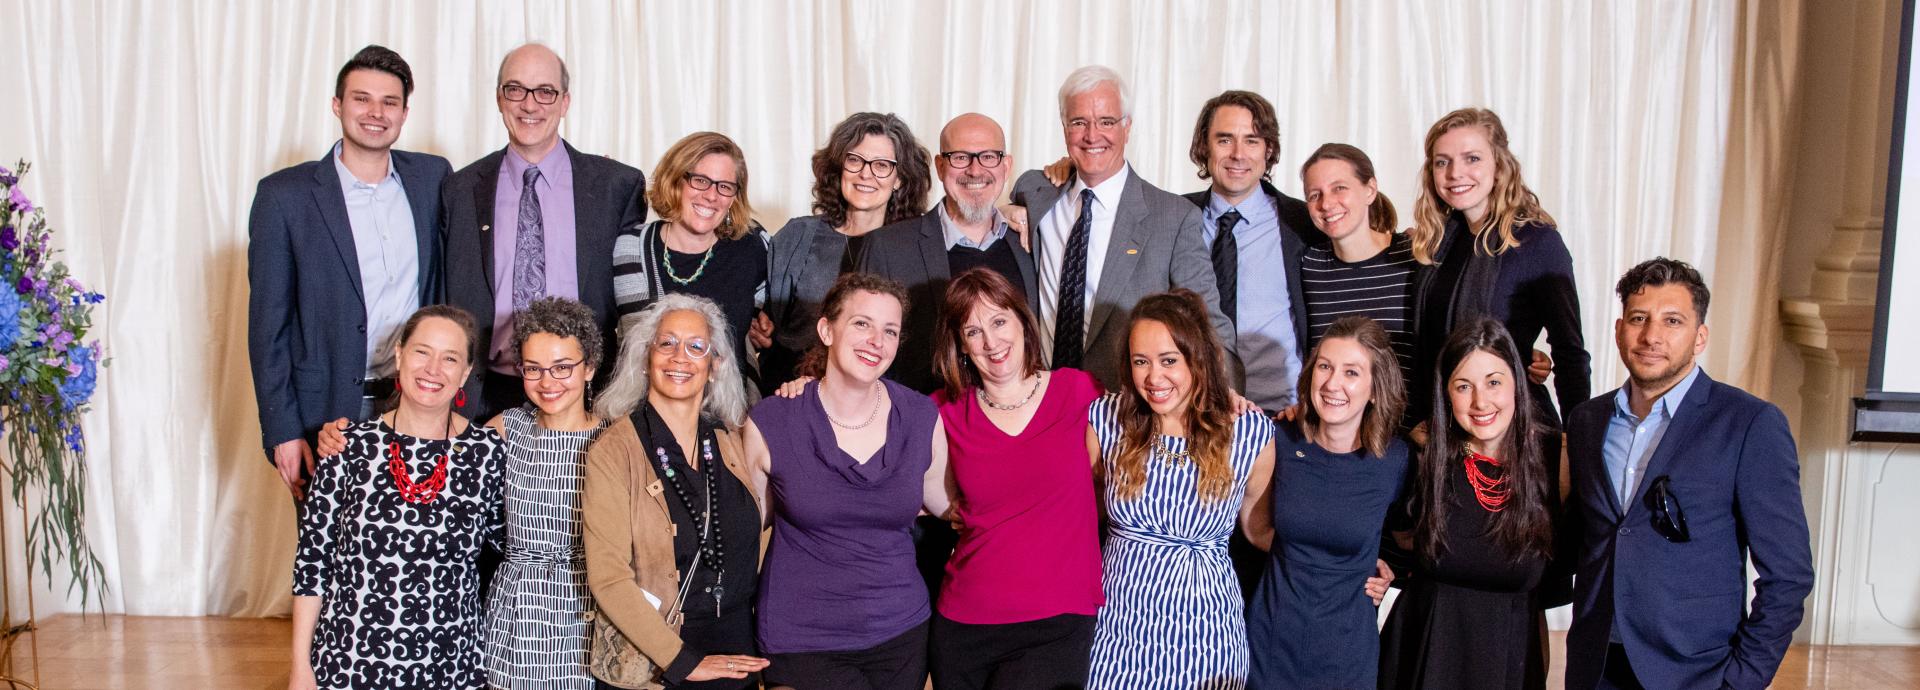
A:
[(421, 492), (1491, 492)]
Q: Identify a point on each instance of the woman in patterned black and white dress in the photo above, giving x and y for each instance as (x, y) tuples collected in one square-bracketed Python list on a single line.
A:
[(386, 592), (1178, 469), (537, 610)]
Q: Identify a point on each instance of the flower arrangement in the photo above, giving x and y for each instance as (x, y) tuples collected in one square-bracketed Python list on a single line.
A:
[(47, 373)]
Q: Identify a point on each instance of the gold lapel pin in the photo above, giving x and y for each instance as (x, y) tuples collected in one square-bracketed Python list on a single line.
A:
[(1133, 251)]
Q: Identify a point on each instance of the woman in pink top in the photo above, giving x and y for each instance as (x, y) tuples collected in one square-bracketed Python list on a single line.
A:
[(1023, 586)]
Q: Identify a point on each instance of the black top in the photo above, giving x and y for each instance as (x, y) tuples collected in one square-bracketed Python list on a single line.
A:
[(731, 279), (998, 256), (1379, 287)]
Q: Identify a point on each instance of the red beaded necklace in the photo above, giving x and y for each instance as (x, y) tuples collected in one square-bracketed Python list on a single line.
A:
[(1491, 492), (422, 492)]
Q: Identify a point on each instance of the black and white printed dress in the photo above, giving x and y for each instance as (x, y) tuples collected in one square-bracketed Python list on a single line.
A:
[(537, 610), (400, 594)]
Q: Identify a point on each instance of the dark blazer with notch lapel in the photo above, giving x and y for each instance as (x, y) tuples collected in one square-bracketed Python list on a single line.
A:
[(1297, 232), (306, 307), (914, 252), (1681, 608), (608, 198), (1156, 246)]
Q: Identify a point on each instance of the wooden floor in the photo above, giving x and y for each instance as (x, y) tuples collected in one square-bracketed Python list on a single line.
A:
[(251, 654)]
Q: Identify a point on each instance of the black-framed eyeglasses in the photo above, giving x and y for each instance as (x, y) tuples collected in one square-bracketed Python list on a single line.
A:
[(545, 95), (1668, 519), (693, 348), (703, 183), (561, 371), (960, 160), (882, 167)]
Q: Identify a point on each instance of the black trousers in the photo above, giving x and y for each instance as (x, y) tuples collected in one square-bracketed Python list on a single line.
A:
[(1047, 654), (897, 664), (1617, 672)]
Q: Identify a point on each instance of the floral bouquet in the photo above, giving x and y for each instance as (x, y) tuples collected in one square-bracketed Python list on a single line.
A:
[(47, 373)]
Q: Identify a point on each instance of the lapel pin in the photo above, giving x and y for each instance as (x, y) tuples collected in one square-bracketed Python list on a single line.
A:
[(1299, 454), (485, 228), (1131, 252)]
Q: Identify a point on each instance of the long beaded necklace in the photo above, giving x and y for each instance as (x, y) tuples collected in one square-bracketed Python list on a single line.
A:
[(875, 414), (425, 491), (666, 262), (711, 546), (1023, 403), (1491, 492)]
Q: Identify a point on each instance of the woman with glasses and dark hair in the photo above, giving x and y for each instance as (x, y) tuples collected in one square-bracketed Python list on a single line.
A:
[(705, 242), (1337, 470), (672, 519), (1471, 614), (386, 591), (871, 172)]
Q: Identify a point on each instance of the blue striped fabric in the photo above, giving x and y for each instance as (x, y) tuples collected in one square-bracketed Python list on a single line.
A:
[(1173, 617)]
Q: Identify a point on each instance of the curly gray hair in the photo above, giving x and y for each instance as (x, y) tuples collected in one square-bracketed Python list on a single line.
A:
[(726, 392)]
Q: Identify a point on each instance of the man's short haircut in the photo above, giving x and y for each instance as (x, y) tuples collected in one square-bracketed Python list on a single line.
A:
[(379, 59), (1660, 271), (1265, 124), (1089, 78)]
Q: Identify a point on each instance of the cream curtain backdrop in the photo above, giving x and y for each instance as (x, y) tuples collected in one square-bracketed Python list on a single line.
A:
[(1647, 128)]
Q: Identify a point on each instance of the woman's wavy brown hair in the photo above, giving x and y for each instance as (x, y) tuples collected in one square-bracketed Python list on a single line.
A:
[(912, 166), (1386, 398), (980, 285), (1509, 205), (1209, 411), (680, 160)]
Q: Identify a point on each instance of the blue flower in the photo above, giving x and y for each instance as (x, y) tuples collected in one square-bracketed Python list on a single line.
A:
[(78, 387), (9, 319)]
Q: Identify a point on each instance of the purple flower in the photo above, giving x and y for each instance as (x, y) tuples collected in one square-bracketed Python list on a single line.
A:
[(8, 240), (8, 178), (25, 286), (20, 202)]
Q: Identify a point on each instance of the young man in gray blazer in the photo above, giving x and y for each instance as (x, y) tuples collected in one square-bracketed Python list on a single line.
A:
[(340, 252), (1107, 238)]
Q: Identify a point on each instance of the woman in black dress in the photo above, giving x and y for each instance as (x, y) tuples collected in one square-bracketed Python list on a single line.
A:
[(705, 243), (871, 172), (1471, 615), (1487, 248)]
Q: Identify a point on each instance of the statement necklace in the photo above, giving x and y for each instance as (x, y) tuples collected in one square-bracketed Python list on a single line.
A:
[(1023, 403), (1491, 492), (875, 414), (425, 491), (1174, 457), (666, 262)]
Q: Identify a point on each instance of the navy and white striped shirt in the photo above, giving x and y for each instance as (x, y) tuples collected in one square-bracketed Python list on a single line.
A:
[(1379, 287)]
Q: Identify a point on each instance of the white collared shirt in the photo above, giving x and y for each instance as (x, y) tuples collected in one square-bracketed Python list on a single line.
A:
[(1054, 232), (386, 244)]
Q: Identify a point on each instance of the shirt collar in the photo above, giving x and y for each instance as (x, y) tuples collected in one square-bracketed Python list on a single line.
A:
[(1108, 191), (556, 169), (953, 236), (1667, 405), (1255, 209), (348, 181)]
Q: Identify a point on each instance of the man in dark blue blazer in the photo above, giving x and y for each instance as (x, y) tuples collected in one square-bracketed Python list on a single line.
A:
[(1677, 480), (341, 251)]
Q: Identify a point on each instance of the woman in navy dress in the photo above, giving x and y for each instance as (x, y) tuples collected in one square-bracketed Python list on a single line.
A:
[(1177, 468), (1471, 613), (1335, 474)]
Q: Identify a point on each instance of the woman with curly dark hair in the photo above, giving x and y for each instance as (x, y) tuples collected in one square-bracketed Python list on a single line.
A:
[(871, 172)]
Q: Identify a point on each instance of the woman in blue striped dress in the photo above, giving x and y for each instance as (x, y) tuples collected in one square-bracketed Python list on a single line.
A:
[(1178, 469)]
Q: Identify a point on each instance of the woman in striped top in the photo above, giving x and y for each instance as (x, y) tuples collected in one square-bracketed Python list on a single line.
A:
[(1365, 268), (1178, 469)]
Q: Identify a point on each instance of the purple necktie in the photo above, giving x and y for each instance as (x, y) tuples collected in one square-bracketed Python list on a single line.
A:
[(529, 246)]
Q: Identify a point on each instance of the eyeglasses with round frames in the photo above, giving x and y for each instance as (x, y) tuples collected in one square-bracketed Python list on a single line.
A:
[(545, 95), (1104, 124), (693, 348), (560, 372), (960, 160), (882, 168), (703, 183)]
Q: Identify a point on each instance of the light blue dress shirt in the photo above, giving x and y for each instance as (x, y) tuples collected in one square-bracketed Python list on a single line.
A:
[(387, 246), (1264, 324), (1631, 440)]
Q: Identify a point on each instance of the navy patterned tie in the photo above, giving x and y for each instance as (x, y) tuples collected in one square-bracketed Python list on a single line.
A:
[(1226, 264), (1070, 322), (529, 246)]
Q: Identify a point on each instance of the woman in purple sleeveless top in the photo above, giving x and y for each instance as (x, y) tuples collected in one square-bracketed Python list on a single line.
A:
[(847, 466)]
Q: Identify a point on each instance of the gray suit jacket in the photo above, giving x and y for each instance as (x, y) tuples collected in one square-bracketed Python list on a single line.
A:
[(1156, 246), (914, 252)]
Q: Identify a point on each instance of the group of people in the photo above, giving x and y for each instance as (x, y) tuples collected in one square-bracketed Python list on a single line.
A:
[(1101, 436)]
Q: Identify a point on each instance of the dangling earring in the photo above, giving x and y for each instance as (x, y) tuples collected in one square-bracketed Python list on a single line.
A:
[(460, 398)]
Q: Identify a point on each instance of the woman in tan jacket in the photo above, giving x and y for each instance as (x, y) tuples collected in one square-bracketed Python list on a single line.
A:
[(672, 524)]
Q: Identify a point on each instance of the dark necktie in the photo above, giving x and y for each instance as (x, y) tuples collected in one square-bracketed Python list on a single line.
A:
[(1070, 320), (529, 246), (1226, 264)]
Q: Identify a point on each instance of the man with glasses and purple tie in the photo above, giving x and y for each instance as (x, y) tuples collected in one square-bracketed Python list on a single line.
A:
[(1106, 238), (1677, 481), (535, 219), (965, 230)]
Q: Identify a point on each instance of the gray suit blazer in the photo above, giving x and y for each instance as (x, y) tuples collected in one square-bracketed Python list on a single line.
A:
[(914, 252), (1156, 246)]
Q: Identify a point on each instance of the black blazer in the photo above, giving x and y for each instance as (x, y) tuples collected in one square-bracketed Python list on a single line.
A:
[(306, 314), (1297, 232), (608, 197), (914, 252), (1681, 608)]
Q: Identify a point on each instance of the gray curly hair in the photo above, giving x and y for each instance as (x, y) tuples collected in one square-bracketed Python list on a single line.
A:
[(725, 398)]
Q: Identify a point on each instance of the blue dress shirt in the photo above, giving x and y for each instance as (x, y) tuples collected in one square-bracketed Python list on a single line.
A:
[(1264, 324)]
